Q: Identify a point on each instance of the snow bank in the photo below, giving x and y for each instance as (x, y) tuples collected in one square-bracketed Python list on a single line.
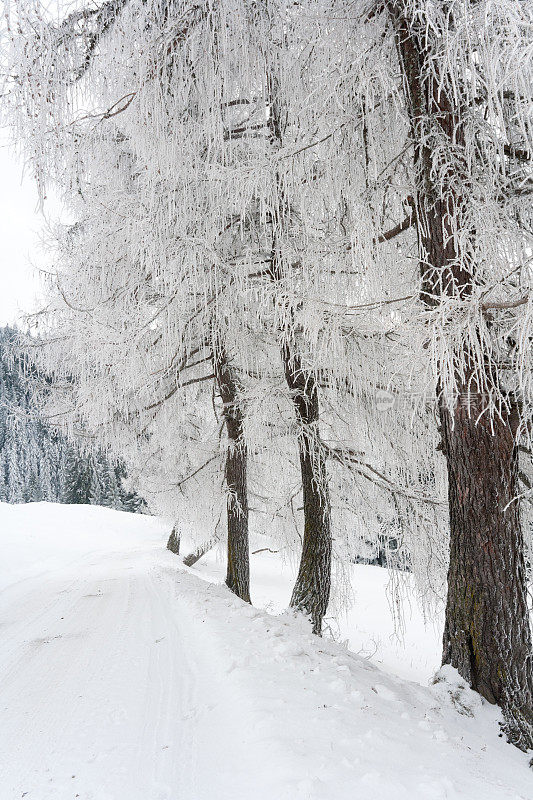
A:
[(127, 677)]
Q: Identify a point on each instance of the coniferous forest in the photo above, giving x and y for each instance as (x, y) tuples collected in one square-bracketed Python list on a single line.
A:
[(37, 461)]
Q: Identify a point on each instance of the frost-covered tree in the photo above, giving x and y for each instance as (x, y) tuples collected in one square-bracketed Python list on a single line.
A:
[(467, 79), (216, 175)]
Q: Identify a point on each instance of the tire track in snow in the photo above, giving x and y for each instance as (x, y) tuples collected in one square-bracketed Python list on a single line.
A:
[(93, 695)]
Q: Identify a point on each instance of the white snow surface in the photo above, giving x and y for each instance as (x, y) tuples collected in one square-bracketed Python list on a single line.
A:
[(125, 676)]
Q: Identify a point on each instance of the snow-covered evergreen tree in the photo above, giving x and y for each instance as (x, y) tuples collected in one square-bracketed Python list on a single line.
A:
[(37, 462)]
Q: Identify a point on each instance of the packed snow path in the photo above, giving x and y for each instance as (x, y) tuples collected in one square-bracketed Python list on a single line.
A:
[(124, 677)]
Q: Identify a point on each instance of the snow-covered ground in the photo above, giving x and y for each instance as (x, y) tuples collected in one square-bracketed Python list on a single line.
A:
[(124, 676)]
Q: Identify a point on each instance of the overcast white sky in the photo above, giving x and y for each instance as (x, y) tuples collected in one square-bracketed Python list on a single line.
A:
[(20, 231)]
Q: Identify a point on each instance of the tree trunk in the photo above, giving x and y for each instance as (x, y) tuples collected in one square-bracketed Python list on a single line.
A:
[(173, 543), (487, 636), (238, 573), (200, 551), (312, 588), (313, 582)]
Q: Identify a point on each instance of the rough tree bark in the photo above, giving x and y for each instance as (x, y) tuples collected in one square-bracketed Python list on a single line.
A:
[(487, 636), (238, 572), (311, 591)]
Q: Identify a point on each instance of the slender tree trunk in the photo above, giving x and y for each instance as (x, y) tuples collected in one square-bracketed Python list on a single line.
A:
[(313, 582), (312, 588), (200, 551), (238, 573), (487, 636)]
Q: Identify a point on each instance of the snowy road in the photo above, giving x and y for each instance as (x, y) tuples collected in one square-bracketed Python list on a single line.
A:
[(104, 694), (105, 651), (126, 678)]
